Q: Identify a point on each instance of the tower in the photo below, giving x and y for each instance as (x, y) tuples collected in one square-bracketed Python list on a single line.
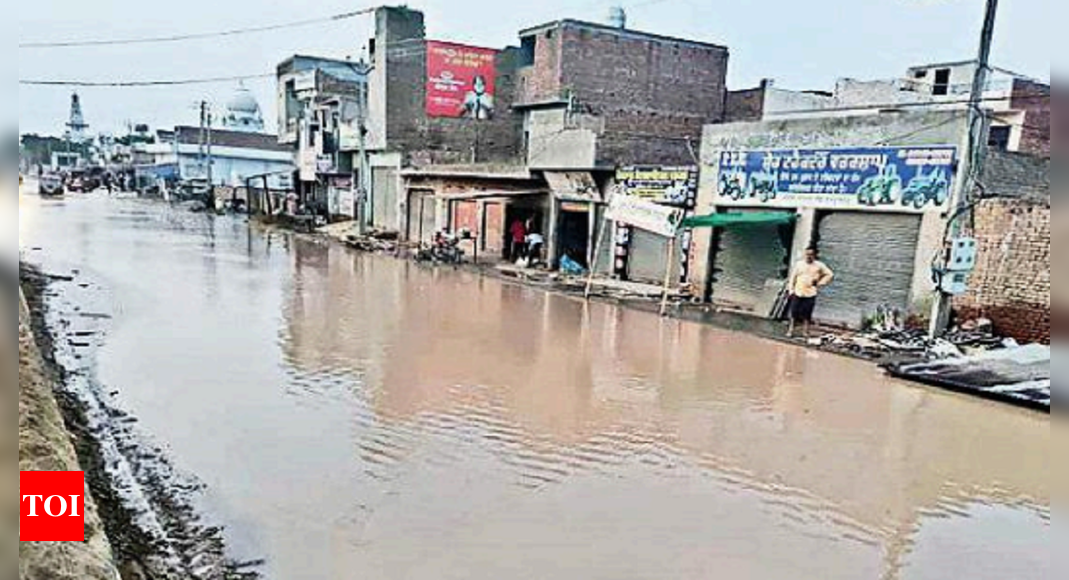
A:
[(76, 127)]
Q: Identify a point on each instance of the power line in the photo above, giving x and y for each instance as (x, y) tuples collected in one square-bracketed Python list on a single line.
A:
[(142, 84), (194, 36)]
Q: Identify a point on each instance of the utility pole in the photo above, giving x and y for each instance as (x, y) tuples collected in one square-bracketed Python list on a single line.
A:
[(973, 162), (211, 163), (364, 184)]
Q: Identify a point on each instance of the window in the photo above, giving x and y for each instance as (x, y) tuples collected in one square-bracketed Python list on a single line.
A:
[(942, 82), (527, 48), (920, 74), (999, 138)]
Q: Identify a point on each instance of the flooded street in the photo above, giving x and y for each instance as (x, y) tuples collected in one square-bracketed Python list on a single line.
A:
[(355, 416)]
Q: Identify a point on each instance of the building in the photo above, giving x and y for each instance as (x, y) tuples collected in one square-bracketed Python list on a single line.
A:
[(1019, 107), (545, 125), (236, 153), (601, 96), (871, 192), (243, 113), (1011, 284), (322, 106), (874, 193)]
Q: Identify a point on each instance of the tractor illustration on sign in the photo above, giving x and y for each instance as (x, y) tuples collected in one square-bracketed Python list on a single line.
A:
[(932, 187), (733, 185), (763, 185), (883, 189)]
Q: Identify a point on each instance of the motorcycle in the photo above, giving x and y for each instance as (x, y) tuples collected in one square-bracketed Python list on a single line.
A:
[(445, 249)]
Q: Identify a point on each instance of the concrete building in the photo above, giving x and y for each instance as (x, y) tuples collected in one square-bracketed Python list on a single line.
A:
[(881, 245), (322, 105), (1019, 107)]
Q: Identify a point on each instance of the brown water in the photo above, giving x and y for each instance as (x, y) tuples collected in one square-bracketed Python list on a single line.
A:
[(360, 417)]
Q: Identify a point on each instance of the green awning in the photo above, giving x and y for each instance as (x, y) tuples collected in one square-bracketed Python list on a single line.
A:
[(730, 220)]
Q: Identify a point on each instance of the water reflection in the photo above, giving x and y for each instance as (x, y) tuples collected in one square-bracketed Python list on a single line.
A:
[(546, 392)]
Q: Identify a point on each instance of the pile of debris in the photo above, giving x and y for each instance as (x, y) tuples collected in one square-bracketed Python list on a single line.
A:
[(375, 242), (893, 341)]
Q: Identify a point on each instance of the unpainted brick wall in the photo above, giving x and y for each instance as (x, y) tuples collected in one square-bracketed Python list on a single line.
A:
[(1011, 284), (745, 105), (432, 140), (1034, 99), (653, 94)]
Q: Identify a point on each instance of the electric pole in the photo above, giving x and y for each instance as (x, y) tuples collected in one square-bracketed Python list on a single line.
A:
[(973, 161)]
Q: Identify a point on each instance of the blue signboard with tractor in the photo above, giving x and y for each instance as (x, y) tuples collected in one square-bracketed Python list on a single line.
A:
[(893, 178)]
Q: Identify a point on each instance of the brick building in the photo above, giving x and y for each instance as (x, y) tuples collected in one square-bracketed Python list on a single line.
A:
[(1011, 284), (604, 96), (401, 134)]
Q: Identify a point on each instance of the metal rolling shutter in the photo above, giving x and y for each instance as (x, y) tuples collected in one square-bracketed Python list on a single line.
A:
[(873, 257), (385, 202), (647, 257), (749, 257)]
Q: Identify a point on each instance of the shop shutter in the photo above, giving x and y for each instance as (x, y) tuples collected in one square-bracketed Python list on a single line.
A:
[(647, 260), (421, 216), (749, 258), (873, 256), (385, 201)]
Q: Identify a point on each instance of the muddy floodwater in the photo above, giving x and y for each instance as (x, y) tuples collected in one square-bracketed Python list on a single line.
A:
[(360, 417)]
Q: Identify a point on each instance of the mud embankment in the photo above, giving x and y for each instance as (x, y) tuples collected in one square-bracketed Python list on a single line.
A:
[(46, 445), (145, 526)]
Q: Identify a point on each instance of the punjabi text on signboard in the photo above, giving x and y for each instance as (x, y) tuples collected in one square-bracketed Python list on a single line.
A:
[(903, 178)]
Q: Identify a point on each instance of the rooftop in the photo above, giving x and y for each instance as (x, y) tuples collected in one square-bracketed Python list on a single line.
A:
[(624, 32), (346, 70), (235, 139)]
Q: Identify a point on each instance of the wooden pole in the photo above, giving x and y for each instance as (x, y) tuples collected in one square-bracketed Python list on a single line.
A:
[(597, 255), (668, 275)]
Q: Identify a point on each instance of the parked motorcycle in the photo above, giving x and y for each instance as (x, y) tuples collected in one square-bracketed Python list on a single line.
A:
[(445, 249)]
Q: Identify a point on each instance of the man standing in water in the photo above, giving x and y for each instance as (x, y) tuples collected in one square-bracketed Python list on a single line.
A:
[(808, 278)]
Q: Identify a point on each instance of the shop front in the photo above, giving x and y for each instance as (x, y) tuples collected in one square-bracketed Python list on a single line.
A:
[(639, 255), (876, 215), (576, 201), (482, 204)]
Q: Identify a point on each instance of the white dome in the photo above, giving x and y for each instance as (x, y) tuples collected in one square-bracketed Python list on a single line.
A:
[(243, 102), (243, 112)]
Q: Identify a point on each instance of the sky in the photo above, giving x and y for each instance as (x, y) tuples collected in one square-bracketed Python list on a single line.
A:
[(801, 44)]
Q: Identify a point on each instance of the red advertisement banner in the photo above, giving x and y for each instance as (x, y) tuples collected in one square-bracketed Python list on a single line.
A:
[(460, 81)]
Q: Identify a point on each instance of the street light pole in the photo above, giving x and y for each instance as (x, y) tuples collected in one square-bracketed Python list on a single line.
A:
[(973, 162)]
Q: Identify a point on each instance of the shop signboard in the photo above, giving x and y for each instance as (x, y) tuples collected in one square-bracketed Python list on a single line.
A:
[(461, 81), (675, 186), (658, 219), (913, 179)]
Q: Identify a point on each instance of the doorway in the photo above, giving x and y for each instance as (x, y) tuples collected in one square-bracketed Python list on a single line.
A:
[(573, 234)]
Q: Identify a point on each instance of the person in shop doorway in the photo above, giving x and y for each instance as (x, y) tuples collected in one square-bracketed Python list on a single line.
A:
[(518, 239), (809, 277), (535, 244)]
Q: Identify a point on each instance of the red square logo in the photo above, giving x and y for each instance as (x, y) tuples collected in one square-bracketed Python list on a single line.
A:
[(53, 506)]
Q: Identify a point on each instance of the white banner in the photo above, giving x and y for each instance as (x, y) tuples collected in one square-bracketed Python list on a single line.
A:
[(657, 219)]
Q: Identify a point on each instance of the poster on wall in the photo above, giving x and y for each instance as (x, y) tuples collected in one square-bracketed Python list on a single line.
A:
[(887, 178), (675, 186), (460, 81)]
